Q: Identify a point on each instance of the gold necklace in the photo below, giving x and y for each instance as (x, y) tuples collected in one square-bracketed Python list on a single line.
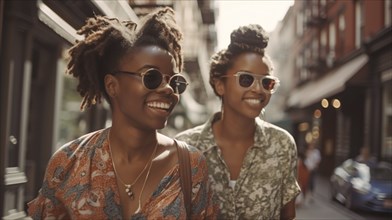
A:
[(128, 187), (144, 184)]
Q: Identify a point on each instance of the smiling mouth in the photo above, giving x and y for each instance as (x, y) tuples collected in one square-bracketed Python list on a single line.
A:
[(159, 105), (253, 101)]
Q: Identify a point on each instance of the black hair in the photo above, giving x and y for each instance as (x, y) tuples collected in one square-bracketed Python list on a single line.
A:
[(250, 38), (106, 40)]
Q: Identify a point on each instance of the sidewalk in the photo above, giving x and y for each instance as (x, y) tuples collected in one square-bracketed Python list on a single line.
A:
[(322, 207)]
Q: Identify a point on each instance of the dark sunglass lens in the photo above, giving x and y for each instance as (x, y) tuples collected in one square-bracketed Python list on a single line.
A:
[(178, 83), (246, 80), (268, 84), (152, 79)]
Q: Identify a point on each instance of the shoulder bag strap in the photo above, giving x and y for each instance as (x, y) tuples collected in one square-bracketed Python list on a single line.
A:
[(185, 174)]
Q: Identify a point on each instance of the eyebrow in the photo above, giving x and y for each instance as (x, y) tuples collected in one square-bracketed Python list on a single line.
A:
[(267, 73), (147, 66)]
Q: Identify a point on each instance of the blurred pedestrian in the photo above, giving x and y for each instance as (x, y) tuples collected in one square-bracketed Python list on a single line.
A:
[(252, 163), (303, 178), (129, 170), (312, 161), (366, 157)]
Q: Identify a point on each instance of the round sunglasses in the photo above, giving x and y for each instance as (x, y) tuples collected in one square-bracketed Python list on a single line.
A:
[(247, 80), (153, 79)]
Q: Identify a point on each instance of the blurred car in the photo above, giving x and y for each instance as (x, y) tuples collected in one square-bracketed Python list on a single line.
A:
[(363, 187)]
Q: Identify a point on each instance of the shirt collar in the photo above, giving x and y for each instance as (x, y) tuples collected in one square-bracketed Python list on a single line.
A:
[(206, 139)]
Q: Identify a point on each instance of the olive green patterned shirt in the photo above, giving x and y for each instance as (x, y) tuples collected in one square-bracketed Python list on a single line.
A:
[(267, 180)]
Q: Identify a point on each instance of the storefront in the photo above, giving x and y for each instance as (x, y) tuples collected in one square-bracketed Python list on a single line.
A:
[(379, 121), (330, 111), (34, 38)]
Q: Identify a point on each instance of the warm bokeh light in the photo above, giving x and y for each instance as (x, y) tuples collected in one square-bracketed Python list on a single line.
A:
[(308, 137), (336, 103), (315, 132), (304, 126), (317, 113), (325, 103)]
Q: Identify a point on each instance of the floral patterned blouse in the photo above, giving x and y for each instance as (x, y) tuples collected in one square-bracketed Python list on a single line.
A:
[(267, 180), (80, 183)]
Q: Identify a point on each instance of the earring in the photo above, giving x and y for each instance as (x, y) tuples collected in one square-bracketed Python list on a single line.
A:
[(222, 109)]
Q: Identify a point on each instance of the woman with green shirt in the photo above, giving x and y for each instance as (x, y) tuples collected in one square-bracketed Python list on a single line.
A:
[(251, 162)]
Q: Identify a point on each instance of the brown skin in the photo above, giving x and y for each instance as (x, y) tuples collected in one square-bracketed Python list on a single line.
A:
[(133, 134), (239, 115)]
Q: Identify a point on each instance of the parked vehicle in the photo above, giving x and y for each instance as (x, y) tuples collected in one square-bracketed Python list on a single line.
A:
[(363, 187)]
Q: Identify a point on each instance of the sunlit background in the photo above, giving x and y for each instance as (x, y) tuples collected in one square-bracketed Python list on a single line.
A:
[(232, 14), (333, 59)]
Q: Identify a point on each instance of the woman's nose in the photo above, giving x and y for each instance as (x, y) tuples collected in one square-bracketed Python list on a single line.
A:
[(257, 85), (165, 86)]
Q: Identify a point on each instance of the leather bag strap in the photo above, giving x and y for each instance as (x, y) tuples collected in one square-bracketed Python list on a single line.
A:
[(185, 174)]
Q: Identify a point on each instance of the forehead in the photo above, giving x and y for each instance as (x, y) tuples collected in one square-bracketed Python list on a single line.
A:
[(148, 56), (252, 62)]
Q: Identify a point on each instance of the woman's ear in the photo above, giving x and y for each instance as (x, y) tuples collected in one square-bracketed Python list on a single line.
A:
[(111, 85), (219, 87)]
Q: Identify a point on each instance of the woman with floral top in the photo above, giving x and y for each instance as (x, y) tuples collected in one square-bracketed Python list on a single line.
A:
[(252, 163), (127, 171)]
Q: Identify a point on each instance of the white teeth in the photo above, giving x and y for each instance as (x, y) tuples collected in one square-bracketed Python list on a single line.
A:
[(161, 105), (253, 101)]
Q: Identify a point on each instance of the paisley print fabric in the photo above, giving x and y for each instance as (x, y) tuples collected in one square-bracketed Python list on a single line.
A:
[(80, 183), (267, 180)]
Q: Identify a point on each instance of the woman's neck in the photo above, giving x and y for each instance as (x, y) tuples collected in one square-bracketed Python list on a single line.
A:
[(131, 143), (235, 128)]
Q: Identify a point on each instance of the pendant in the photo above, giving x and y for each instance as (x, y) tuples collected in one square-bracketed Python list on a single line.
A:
[(128, 190)]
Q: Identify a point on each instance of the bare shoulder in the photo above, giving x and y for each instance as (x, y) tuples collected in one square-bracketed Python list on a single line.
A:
[(166, 142), (167, 151), (169, 148)]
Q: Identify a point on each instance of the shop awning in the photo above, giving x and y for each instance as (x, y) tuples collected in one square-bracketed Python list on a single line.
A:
[(331, 84)]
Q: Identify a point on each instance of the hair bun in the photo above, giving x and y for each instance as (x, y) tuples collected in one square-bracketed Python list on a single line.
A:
[(250, 36)]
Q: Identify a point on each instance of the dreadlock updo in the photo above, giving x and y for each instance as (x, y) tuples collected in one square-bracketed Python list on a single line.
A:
[(107, 40), (250, 38)]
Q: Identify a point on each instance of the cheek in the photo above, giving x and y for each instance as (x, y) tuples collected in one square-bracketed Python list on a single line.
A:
[(231, 88), (131, 90), (267, 98), (132, 85), (233, 95)]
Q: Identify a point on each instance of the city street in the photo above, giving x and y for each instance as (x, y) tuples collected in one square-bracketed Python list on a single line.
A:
[(323, 208)]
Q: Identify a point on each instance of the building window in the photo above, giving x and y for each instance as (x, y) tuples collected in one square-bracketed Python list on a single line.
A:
[(342, 27), (300, 24), (386, 151), (388, 13), (307, 63), (332, 37), (315, 49), (342, 23), (315, 11), (323, 8), (332, 45), (306, 16), (304, 74), (358, 23), (323, 3), (323, 43), (298, 62)]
